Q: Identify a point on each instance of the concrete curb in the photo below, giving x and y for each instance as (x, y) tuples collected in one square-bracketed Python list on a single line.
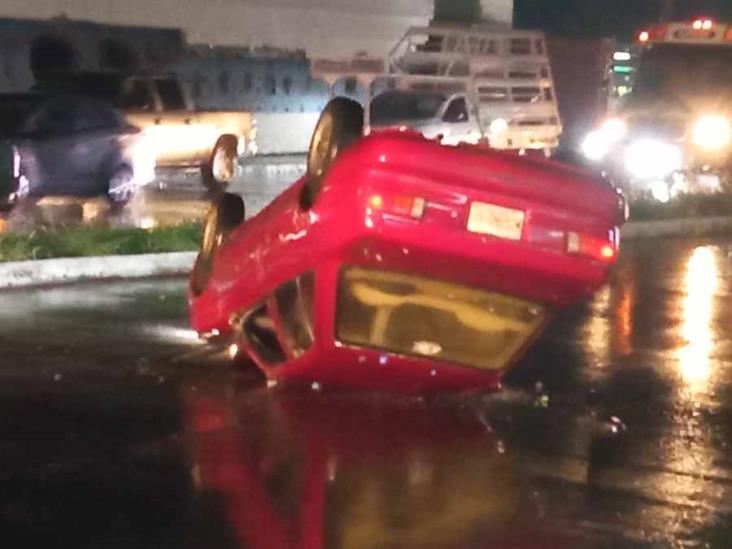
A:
[(60, 271), (691, 227)]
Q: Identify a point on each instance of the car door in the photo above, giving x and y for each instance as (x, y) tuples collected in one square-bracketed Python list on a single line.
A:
[(50, 141), (97, 148)]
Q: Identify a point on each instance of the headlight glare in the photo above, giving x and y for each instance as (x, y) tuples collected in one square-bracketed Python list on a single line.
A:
[(652, 158), (599, 142), (712, 133)]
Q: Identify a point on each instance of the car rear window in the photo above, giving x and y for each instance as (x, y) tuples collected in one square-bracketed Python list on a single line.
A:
[(170, 94), (417, 316)]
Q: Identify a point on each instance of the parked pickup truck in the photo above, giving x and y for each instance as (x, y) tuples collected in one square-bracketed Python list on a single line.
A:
[(211, 141)]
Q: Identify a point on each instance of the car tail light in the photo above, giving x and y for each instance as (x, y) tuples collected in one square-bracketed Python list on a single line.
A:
[(589, 246), (728, 34), (398, 205), (658, 32)]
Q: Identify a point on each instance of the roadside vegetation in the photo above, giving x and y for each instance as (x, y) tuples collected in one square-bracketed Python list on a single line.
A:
[(80, 241)]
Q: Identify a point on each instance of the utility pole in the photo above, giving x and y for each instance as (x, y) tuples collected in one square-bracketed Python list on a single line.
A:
[(667, 10)]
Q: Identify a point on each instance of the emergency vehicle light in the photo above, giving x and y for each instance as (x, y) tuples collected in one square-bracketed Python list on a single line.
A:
[(702, 24)]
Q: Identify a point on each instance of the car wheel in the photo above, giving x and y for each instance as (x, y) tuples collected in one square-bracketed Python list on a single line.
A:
[(121, 187), (340, 124), (225, 214), (223, 166)]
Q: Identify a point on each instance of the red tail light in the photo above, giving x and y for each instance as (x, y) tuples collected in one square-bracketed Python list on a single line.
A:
[(398, 205), (592, 247), (659, 32)]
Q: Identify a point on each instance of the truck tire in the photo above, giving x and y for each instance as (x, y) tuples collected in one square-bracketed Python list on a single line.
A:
[(225, 214), (339, 126), (222, 167)]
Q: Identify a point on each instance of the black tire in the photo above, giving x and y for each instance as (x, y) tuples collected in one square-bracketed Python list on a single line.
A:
[(121, 188), (225, 214), (222, 167), (339, 126)]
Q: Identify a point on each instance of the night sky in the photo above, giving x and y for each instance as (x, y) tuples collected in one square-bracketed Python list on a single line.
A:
[(608, 18)]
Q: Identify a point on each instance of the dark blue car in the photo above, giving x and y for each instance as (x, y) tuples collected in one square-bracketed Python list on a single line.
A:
[(69, 146)]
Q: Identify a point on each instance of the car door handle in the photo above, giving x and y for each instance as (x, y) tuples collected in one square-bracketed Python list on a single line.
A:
[(158, 121), (187, 121)]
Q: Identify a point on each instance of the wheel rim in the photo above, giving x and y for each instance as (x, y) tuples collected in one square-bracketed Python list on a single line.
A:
[(121, 186), (322, 152), (224, 165)]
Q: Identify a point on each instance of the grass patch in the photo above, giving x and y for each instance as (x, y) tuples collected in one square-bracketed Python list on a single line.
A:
[(683, 207), (81, 241)]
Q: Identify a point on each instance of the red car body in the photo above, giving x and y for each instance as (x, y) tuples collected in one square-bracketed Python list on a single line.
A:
[(462, 252)]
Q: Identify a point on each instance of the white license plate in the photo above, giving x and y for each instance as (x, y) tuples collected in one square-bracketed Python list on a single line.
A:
[(496, 221)]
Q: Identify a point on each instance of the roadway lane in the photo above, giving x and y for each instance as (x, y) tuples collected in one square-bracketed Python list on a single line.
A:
[(120, 430)]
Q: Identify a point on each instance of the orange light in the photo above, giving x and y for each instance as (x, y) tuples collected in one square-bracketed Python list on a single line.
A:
[(658, 32), (402, 203), (376, 202), (644, 36), (728, 34), (589, 246)]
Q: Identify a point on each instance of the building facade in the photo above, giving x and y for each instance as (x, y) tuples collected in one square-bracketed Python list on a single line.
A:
[(321, 28), (28, 46)]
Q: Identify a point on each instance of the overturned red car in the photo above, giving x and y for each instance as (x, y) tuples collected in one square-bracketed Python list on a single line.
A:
[(397, 263)]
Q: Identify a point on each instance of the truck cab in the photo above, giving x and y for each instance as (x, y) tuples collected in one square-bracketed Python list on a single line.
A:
[(451, 118)]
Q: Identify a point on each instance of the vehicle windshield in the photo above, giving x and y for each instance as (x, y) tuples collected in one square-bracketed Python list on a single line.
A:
[(683, 72), (393, 107), (438, 320)]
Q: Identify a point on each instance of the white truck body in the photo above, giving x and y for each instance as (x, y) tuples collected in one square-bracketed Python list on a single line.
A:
[(504, 75)]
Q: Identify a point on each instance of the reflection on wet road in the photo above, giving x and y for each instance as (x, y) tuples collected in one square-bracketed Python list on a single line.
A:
[(121, 430)]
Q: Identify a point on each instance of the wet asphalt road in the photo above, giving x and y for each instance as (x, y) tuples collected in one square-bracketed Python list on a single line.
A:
[(118, 429)]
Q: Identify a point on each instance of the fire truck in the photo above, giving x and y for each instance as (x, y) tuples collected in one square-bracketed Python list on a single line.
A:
[(672, 134)]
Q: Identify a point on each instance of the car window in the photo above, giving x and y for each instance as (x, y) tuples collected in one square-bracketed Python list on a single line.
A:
[(15, 113), (56, 118), (261, 335), (170, 94), (295, 309), (442, 321), (136, 96), (457, 111), (93, 115)]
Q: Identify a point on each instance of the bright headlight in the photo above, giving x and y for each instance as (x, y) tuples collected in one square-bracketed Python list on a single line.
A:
[(599, 142), (651, 158), (499, 126), (712, 133)]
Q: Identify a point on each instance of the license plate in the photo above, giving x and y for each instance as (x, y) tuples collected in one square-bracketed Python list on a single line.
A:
[(496, 221)]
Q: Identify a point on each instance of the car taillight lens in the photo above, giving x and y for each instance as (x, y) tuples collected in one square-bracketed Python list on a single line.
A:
[(589, 246), (398, 205), (659, 32)]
